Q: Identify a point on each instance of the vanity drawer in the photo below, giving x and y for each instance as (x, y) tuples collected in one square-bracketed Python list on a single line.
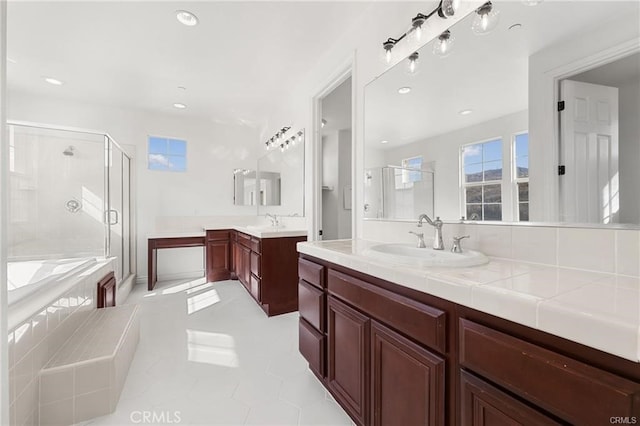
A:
[(255, 264), (311, 344), (244, 240), (218, 235), (256, 245), (311, 272), (421, 322), (481, 403), (311, 302), (255, 287), (572, 390)]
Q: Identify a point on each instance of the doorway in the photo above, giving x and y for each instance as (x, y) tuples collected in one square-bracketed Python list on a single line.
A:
[(335, 209), (599, 143)]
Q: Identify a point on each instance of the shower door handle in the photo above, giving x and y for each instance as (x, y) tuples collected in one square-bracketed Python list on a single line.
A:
[(108, 216)]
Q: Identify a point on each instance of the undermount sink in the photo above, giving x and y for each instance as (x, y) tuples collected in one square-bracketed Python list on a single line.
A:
[(411, 255)]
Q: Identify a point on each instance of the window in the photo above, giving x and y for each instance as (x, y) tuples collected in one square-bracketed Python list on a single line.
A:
[(411, 176), (482, 180), (521, 175), (167, 154)]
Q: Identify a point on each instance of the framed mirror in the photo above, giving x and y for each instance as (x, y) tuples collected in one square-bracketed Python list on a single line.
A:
[(244, 187), (280, 177), (489, 119)]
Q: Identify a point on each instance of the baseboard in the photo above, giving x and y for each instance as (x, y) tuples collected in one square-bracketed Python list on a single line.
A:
[(124, 289), (189, 275)]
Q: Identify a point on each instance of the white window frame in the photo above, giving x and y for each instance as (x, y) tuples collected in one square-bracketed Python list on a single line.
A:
[(464, 185), (515, 180)]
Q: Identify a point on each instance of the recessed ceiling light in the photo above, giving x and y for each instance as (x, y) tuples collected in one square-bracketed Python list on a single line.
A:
[(384, 141), (13, 61), (404, 90), (465, 112), (53, 81), (179, 106), (187, 18)]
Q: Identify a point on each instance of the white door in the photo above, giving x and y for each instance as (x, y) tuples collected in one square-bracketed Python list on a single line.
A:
[(589, 152)]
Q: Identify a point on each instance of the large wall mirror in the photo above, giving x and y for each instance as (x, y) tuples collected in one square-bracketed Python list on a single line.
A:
[(280, 178), (484, 119)]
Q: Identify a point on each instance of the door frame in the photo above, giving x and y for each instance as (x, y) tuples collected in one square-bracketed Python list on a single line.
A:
[(551, 187), (345, 71)]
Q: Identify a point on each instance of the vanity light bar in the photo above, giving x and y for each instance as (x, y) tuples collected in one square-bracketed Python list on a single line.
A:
[(276, 140), (417, 22), (485, 21)]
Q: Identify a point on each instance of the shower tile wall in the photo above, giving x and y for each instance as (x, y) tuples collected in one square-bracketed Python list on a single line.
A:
[(33, 342)]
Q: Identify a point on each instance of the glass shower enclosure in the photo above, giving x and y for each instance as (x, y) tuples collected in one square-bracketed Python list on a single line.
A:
[(70, 197)]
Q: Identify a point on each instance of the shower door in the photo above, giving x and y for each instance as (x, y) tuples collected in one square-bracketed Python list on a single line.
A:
[(118, 213)]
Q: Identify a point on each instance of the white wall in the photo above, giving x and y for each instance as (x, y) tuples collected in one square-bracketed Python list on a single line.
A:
[(4, 173), (443, 153), (162, 199), (336, 174)]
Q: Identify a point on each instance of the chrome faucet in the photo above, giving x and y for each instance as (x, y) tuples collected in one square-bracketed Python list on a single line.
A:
[(438, 244), (457, 248), (273, 218), (420, 236)]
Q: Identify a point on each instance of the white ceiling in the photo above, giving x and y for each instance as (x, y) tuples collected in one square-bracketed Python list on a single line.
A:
[(235, 65), (487, 74)]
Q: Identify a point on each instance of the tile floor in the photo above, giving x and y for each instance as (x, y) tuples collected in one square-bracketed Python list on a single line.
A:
[(208, 355)]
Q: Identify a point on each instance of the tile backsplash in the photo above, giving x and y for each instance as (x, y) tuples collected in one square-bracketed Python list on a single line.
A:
[(594, 249), (34, 341)]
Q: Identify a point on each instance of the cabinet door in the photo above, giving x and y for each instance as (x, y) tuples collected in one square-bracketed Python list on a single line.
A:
[(348, 361), (484, 405), (236, 259), (246, 267), (255, 287), (407, 381), (218, 261)]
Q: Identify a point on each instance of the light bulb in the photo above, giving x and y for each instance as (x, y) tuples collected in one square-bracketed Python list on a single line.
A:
[(412, 63), (486, 19), (416, 32), (387, 53), (449, 7), (443, 45)]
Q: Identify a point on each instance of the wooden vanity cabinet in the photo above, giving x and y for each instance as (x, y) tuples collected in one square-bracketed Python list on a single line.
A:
[(267, 269), (218, 255), (374, 368), (393, 355)]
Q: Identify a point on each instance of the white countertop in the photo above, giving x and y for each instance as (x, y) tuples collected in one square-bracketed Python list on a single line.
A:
[(257, 231), (596, 309)]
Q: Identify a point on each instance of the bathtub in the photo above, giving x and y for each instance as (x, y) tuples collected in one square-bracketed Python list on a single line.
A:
[(27, 277)]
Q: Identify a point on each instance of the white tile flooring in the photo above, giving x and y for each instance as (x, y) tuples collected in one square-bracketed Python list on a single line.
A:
[(208, 355)]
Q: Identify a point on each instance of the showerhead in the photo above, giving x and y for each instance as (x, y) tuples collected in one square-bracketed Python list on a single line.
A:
[(69, 152)]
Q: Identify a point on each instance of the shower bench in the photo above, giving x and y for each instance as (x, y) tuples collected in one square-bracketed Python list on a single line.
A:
[(85, 377)]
